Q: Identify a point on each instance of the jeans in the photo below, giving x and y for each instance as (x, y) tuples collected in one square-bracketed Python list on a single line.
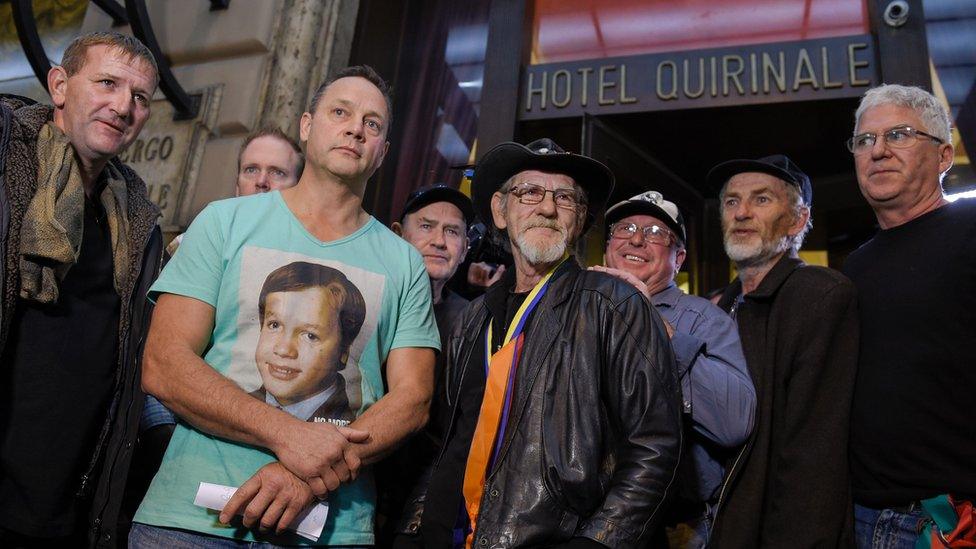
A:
[(144, 536), (886, 528)]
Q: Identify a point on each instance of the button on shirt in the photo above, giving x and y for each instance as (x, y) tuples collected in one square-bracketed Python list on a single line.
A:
[(715, 385)]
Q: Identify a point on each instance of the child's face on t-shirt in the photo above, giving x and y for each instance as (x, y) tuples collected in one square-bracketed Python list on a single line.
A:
[(298, 352)]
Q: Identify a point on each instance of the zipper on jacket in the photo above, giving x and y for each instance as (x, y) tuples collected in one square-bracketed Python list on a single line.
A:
[(113, 407), (725, 483)]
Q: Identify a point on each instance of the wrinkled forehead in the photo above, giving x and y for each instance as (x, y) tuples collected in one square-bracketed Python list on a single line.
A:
[(885, 116), (356, 90), (549, 180), (114, 59), (441, 212), (754, 182)]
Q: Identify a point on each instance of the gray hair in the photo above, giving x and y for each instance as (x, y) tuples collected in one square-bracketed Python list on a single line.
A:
[(797, 207), (933, 114)]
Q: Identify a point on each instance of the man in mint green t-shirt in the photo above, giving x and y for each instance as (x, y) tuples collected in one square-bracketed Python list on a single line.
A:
[(272, 330)]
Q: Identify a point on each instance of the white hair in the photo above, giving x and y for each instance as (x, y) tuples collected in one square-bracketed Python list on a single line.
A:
[(929, 108)]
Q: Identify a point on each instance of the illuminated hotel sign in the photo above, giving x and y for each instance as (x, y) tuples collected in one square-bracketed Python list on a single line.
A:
[(765, 73)]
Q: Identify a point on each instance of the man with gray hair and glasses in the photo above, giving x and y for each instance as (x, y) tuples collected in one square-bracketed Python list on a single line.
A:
[(911, 439), (789, 485)]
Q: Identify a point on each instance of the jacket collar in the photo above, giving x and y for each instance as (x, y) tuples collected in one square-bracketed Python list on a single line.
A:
[(775, 278)]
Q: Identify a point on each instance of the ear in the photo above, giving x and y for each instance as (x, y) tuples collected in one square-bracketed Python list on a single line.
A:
[(397, 228), (946, 155), (679, 259), (305, 126), (496, 210), (800, 222), (464, 250), (57, 85)]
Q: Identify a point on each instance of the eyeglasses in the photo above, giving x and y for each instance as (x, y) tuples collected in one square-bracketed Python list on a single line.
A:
[(655, 234), (529, 194), (899, 137)]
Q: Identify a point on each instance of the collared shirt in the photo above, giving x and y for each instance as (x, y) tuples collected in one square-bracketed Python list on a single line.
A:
[(715, 385), (305, 408)]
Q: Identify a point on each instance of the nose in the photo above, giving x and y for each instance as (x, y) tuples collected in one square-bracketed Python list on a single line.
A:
[(547, 207), (355, 129), (742, 210), (121, 103), (438, 240), (637, 239), (263, 182), (880, 148), (284, 347)]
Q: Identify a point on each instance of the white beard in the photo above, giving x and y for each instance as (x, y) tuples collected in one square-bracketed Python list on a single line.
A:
[(539, 255), (753, 253)]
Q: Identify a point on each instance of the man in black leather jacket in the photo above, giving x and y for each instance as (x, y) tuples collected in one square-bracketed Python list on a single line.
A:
[(576, 439)]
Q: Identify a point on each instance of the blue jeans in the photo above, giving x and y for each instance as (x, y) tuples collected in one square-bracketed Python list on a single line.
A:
[(886, 528)]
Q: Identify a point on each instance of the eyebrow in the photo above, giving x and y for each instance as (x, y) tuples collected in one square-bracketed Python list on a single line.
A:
[(102, 75), (348, 103)]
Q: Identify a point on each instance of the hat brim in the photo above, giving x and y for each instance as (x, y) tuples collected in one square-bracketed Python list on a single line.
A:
[(442, 194), (507, 159), (721, 173), (642, 207)]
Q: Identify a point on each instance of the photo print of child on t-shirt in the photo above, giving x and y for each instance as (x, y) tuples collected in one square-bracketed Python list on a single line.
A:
[(308, 315)]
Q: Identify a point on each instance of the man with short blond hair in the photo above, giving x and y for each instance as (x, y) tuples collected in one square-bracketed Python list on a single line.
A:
[(210, 319), (789, 485), (910, 440), (268, 160), (81, 247)]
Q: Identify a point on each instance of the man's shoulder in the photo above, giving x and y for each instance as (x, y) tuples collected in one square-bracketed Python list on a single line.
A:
[(602, 285), (810, 283)]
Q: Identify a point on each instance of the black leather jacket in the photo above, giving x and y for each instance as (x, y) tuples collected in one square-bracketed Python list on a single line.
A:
[(595, 432)]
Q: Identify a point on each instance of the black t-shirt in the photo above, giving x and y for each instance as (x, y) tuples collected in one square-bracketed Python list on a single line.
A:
[(912, 431), (56, 383)]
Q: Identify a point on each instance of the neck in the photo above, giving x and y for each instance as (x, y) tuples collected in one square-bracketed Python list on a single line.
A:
[(89, 175), (528, 275), (437, 289), (327, 207), (753, 274), (893, 217)]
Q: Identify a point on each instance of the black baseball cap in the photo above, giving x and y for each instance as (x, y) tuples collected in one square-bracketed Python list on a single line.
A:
[(430, 194), (777, 165)]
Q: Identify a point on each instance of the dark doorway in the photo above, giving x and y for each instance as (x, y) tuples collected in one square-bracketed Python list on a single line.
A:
[(672, 151)]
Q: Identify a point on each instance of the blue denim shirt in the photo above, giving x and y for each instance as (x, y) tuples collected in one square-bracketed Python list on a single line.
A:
[(715, 385)]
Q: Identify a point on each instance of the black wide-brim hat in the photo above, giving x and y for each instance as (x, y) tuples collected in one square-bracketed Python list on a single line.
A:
[(503, 161)]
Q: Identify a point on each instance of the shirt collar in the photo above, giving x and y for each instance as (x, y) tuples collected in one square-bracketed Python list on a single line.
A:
[(668, 296), (304, 409)]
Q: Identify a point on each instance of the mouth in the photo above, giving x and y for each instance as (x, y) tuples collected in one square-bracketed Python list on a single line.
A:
[(114, 127), (436, 257), (349, 150), (282, 373), (634, 259)]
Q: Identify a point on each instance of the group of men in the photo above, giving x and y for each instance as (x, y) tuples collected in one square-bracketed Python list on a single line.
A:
[(296, 339)]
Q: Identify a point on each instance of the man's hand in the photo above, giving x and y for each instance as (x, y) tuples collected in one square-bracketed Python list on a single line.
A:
[(272, 498), (484, 274), (320, 454), (626, 277), (635, 282)]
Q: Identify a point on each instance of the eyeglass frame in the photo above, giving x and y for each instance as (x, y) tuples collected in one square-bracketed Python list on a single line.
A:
[(672, 238), (903, 127), (579, 198)]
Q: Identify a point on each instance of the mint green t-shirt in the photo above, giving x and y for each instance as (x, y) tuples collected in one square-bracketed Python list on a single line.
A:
[(241, 249)]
